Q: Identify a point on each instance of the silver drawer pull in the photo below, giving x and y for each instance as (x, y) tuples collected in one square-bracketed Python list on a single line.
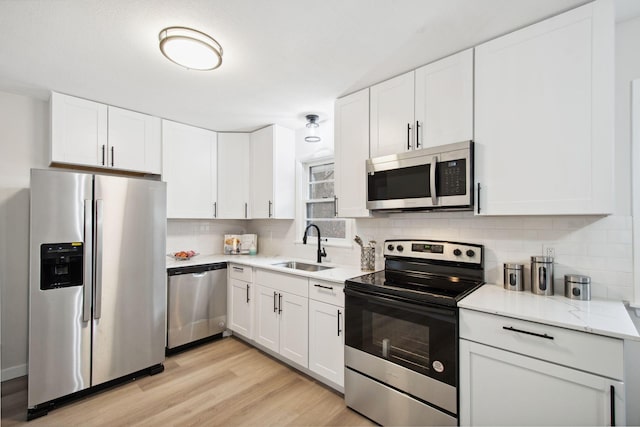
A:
[(323, 287), (240, 269), (510, 328)]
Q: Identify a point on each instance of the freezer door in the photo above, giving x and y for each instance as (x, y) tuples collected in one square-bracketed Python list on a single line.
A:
[(130, 287), (59, 316)]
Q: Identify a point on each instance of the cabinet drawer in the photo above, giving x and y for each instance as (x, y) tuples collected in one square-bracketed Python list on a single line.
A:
[(241, 272), (575, 349), (329, 292), (293, 284)]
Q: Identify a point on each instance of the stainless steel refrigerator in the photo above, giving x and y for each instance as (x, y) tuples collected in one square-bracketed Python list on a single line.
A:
[(97, 298)]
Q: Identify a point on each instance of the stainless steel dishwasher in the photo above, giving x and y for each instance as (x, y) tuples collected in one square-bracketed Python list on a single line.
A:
[(197, 304)]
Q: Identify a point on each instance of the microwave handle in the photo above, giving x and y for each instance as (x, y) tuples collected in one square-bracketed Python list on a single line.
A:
[(432, 181)]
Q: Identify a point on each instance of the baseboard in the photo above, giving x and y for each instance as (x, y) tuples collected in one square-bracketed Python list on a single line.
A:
[(14, 372)]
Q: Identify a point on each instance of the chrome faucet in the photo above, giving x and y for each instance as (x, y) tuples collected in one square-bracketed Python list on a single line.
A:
[(322, 252)]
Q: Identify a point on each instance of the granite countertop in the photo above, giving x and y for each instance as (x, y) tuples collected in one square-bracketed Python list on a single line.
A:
[(598, 316), (337, 274)]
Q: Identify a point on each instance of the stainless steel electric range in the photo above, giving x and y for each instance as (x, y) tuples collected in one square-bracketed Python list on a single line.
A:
[(401, 332)]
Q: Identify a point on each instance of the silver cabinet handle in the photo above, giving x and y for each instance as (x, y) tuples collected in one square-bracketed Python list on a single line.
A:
[(335, 206), (88, 270), (270, 204), (417, 134), (97, 295), (432, 181), (408, 136), (112, 156), (215, 209), (238, 269), (478, 201), (275, 309), (245, 210), (323, 286)]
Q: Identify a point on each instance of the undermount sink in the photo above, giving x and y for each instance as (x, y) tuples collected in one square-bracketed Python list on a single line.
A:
[(301, 266)]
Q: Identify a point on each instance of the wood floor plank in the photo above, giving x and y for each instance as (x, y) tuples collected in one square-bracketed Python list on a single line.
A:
[(223, 383)]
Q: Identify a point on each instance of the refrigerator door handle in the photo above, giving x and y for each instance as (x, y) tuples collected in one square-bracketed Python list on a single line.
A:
[(97, 294), (88, 251)]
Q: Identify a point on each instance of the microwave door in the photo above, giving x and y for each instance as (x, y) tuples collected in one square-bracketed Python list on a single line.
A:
[(399, 187)]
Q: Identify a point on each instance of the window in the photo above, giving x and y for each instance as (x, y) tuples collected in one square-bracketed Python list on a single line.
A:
[(319, 203)]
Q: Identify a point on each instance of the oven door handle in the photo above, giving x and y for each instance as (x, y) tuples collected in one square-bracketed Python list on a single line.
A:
[(441, 313)]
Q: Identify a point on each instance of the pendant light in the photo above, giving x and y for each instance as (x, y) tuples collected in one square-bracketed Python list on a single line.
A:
[(191, 49), (312, 128)]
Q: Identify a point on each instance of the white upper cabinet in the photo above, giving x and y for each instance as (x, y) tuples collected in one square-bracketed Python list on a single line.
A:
[(544, 116), (444, 101), (189, 169), (351, 152), (91, 134), (273, 173), (391, 115), (233, 175), (135, 142), (78, 131)]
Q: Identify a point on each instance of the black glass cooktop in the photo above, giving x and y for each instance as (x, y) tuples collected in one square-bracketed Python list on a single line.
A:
[(421, 288)]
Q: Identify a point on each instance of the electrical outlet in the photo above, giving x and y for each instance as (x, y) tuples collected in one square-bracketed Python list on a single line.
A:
[(550, 252)]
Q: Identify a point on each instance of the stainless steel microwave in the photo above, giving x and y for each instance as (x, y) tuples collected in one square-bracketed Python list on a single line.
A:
[(431, 178)]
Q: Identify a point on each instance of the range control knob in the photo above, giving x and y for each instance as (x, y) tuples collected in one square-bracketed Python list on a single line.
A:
[(390, 247), (400, 248), (457, 252), (470, 253)]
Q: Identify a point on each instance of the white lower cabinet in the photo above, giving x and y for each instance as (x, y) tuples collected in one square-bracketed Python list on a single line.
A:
[(326, 341), (281, 316), (502, 384), (498, 388), (240, 294)]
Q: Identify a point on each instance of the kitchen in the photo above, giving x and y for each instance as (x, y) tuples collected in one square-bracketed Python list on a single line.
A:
[(599, 246)]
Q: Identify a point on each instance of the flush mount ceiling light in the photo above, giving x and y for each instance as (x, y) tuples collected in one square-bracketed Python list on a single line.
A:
[(190, 48), (312, 126)]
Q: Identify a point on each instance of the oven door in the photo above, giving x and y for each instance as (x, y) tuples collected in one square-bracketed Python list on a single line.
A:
[(410, 347)]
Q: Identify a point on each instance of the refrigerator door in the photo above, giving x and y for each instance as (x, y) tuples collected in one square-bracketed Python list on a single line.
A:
[(130, 286), (60, 314)]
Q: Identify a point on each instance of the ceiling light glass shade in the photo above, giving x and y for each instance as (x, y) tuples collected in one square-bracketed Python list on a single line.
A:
[(312, 126), (190, 48)]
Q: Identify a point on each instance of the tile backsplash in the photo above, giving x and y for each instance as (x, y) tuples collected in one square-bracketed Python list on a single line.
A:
[(596, 246)]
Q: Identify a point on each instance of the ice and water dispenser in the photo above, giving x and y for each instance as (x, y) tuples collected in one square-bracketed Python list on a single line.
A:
[(61, 265)]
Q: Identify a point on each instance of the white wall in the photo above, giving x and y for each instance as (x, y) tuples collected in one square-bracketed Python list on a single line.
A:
[(24, 124), (205, 237)]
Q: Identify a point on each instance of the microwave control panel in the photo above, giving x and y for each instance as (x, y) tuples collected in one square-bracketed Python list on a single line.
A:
[(452, 177)]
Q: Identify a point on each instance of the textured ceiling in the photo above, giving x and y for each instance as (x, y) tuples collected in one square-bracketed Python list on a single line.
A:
[(282, 58)]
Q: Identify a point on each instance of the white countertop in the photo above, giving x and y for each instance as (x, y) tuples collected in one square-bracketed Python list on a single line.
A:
[(337, 274), (598, 316)]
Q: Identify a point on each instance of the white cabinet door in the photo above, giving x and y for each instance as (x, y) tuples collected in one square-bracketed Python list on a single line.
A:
[(326, 340), (134, 141), (240, 307), (267, 327), (262, 173), (498, 388), (294, 332), (233, 175), (189, 169), (351, 153), (544, 116), (273, 173), (391, 115), (78, 131), (444, 101)]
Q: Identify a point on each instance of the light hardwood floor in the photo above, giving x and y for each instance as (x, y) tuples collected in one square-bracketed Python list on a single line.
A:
[(226, 382)]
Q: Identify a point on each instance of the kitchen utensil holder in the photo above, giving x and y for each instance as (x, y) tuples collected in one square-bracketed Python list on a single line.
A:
[(367, 258)]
